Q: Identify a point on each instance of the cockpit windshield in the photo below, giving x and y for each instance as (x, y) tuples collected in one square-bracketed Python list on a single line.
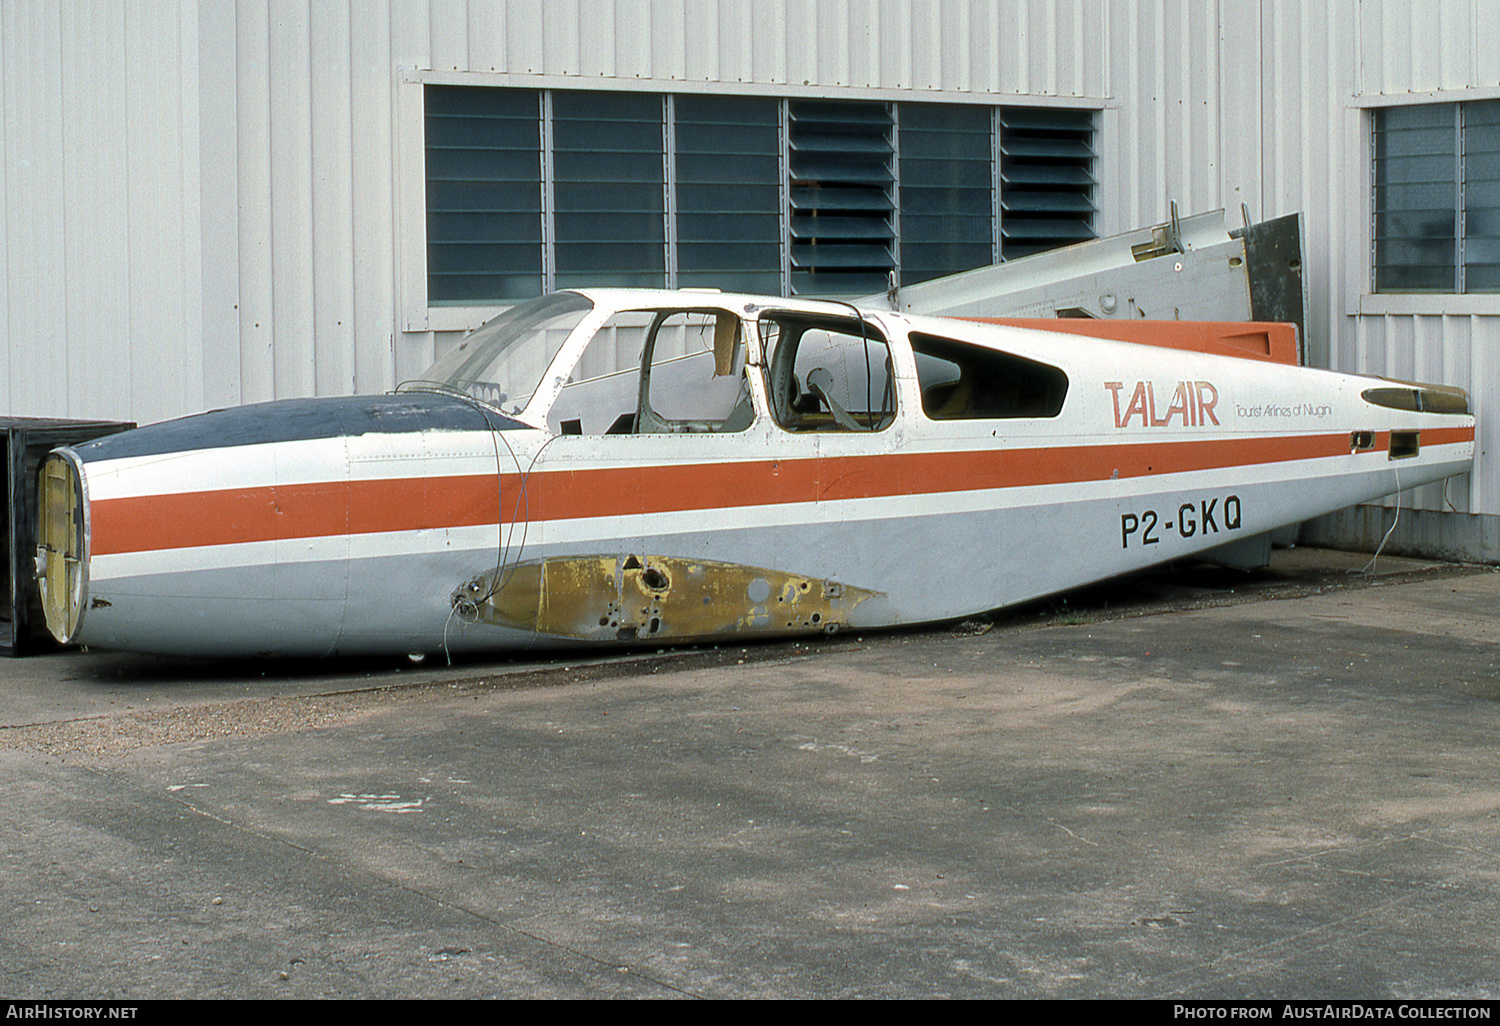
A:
[(502, 362)]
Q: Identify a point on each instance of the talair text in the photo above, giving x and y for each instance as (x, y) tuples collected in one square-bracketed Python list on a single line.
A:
[(1192, 405)]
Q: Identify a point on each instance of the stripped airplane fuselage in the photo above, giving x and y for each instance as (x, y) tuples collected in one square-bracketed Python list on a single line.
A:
[(685, 466)]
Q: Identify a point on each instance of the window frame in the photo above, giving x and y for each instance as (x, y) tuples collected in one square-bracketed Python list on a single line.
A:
[(1363, 299), (778, 359), (980, 368), (417, 314)]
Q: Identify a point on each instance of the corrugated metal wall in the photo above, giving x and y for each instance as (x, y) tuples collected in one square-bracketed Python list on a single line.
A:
[(299, 299), (99, 256), (1350, 58), (203, 204), (1014, 46)]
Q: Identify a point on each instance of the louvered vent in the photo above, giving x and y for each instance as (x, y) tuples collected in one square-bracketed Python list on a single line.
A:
[(1047, 176), (842, 197)]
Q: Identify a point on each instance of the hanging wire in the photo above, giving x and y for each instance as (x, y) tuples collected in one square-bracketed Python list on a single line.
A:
[(1394, 522), (466, 609)]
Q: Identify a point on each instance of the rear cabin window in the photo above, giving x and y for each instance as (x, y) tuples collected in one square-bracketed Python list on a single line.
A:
[(960, 381)]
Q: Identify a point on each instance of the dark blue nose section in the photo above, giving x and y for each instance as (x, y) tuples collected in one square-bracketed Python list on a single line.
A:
[(290, 420)]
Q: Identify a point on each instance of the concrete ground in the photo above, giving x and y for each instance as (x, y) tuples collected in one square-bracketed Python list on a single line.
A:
[(1194, 783)]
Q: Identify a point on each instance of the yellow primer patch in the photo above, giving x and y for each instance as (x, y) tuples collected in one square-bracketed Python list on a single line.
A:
[(649, 598)]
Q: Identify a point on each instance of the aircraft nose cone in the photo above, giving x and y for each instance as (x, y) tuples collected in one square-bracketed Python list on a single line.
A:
[(61, 558)]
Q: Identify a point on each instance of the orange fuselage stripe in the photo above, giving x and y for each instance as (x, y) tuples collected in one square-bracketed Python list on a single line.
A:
[(334, 508)]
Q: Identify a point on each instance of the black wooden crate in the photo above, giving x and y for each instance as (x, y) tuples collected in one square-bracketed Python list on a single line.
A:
[(24, 442)]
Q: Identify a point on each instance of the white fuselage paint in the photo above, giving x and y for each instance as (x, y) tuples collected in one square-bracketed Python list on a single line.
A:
[(879, 511)]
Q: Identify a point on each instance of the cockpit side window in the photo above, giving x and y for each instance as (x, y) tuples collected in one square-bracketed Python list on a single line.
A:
[(658, 372), (960, 381), (502, 362), (827, 373)]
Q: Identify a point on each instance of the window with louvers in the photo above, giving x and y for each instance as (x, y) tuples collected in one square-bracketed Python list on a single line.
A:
[(842, 197), (1437, 198), (608, 162), (947, 190), (532, 190), (484, 195), (728, 190), (1046, 179)]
